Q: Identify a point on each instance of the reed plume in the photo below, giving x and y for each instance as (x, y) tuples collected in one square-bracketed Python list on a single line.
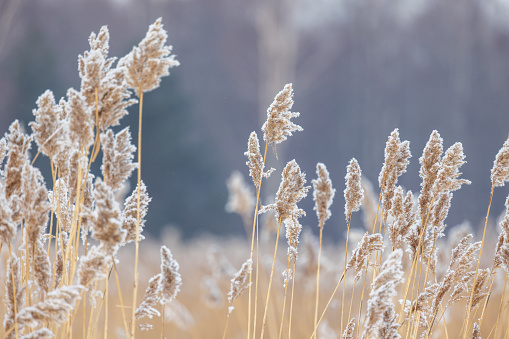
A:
[(278, 126)]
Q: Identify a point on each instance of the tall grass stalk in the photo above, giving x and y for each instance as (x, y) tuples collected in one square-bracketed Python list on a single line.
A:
[(137, 242), (270, 279), (255, 230), (466, 324)]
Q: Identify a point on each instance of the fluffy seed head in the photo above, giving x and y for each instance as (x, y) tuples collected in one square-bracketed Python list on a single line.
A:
[(278, 125), (323, 193)]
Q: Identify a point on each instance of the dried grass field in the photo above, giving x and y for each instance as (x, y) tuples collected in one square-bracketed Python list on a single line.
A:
[(75, 262)]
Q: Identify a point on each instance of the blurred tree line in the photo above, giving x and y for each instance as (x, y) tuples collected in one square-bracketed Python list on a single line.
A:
[(359, 69)]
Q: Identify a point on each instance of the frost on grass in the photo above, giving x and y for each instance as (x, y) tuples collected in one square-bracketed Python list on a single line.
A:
[(290, 192), (380, 312), (151, 60), (162, 288), (278, 125), (323, 193), (239, 281), (354, 193)]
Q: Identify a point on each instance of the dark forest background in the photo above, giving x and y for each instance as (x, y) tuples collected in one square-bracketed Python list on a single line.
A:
[(359, 68)]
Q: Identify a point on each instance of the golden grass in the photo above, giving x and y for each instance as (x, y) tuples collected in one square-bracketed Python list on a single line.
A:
[(92, 287)]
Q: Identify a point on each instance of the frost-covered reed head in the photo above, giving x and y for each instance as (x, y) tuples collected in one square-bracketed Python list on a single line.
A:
[(255, 163), (278, 125), (323, 193), (290, 192), (500, 170), (354, 193), (151, 60)]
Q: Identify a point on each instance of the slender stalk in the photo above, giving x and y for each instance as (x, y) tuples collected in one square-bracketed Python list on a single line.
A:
[(14, 294), (162, 320), (255, 230), (124, 319), (346, 258), (467, 319), (137, 248), (328, 303), (226, 326), (284, 300), (106, 307), (270, 279), (291, 303), (318, 275), (500, 308)]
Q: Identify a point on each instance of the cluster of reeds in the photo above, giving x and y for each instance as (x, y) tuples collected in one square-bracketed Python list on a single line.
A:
[(63, 241), (400, 295), (62, 245)]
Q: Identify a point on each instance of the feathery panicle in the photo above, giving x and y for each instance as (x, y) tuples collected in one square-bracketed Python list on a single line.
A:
[(171, 280), (404, 217), (7, 225), (290, 192), (430, 165), (382, 292), (162, 287), (36, 206), (447, 176), (240, 198), (239, 281), (59, 267), (151, 298), (130, 212), (94, 63), (360, 255), (151, 60), (323, 193), (389, 325), (278, 125), (479, 286), (502, 249), (349, 330), (96, 73), (87, 205), (50, 131), (59, 199), (293, 229), (500, 170), (81, 119), (118, 154), (397, 155), (42, 266), (55, 308), (255, 162), (93, 266), (10, 299), (106, 218), (42, 333), (462, 257), (18, 144), (354, 193)]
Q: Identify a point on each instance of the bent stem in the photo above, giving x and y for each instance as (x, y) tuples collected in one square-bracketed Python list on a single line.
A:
[(328, 303)]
